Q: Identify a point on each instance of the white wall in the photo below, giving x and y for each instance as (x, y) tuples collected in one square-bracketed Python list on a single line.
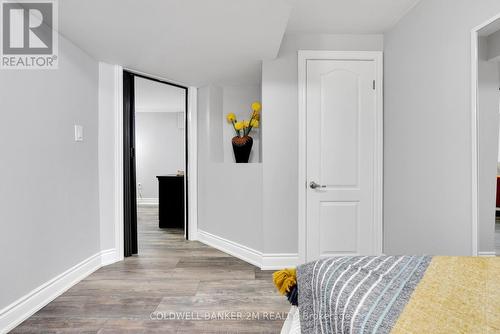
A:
[(279, 133), (159, 149), (49, 198), (238, 99), (107, 155), (210, 101), (229, 194), (427, 145)]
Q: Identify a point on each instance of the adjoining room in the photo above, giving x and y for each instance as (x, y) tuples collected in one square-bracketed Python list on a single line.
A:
[(488, 148), (160, 158)]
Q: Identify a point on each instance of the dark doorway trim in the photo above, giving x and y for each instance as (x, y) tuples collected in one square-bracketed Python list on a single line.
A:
[(129, 164), (130, 243)]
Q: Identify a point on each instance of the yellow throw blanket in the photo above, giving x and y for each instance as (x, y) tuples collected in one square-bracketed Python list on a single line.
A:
[(456, 295)]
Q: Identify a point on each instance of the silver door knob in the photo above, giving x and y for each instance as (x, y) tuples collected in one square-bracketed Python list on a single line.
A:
[(314, 185)]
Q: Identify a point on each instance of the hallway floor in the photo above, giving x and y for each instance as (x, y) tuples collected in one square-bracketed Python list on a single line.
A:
[(171, 277)]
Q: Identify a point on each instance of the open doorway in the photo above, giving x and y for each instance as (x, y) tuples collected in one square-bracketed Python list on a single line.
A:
[(486, 113), (155, 160)]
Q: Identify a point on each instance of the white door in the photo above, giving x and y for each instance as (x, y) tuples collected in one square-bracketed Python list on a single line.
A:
[(341, 136)]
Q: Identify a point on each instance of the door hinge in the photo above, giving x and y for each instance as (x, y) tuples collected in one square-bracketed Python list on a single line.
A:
[(373, 84)]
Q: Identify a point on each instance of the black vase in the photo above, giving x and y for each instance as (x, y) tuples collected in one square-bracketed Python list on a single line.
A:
[(242, 146)]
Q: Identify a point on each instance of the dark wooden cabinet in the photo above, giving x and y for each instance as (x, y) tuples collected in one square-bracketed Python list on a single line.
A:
[(171, 198)]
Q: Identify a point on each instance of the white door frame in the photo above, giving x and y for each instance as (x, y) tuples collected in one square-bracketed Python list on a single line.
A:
[(118, 154), (303, 57), (474, 132), (192, 170)]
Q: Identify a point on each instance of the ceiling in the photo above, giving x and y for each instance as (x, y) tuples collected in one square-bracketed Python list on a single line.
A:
[(347, 16), (196, 42), (153, 96), (190, 41)]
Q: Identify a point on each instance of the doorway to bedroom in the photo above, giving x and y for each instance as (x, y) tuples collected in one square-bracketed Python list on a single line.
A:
[(155, 160), (486, 101)]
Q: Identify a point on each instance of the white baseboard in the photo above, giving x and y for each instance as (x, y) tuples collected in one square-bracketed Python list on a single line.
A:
[(232, 248), (247, 254), (148, 201), (193, 235), (279, 261), (109, 256), (20, 310), (486, 254)]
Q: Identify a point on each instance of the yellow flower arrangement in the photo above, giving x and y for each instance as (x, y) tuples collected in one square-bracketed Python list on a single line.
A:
[(239, 126), (256, 106), (243, 128)]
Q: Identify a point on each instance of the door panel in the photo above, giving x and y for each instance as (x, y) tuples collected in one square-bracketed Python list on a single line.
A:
[(338, 226), (341, 130)]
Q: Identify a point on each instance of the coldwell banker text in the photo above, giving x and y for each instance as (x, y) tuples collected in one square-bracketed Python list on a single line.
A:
[(29, 34)]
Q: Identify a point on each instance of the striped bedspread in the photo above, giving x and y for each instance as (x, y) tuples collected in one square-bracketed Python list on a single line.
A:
[(400, 294)]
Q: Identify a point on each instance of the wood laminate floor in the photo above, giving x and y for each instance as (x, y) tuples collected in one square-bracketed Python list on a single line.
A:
[(170, 278)]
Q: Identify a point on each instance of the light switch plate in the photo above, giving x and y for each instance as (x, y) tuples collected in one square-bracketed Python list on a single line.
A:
[(78, 133)]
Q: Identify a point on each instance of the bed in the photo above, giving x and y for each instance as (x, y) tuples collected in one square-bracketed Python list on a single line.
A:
[(393, 294)]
